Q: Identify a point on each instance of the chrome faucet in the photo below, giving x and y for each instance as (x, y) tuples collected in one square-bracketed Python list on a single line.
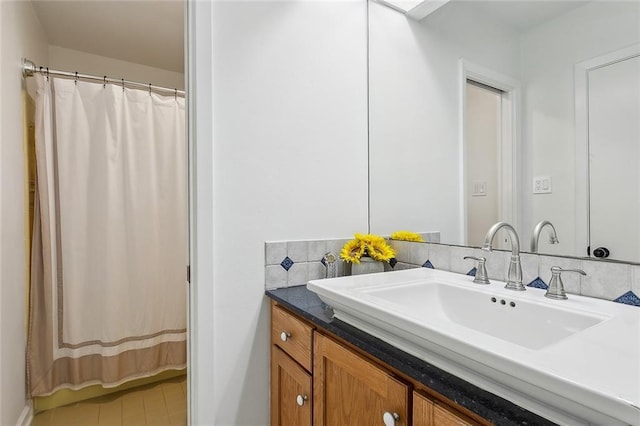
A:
[(514, 274), (535, 237)]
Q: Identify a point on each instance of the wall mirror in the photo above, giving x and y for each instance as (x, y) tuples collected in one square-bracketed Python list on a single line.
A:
[(553, 86)]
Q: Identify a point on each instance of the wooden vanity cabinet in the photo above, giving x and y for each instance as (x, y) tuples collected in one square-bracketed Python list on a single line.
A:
[(316, 379)]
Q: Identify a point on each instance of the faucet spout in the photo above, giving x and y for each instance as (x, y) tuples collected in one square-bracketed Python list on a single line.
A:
[(535, 237), (514, 274)]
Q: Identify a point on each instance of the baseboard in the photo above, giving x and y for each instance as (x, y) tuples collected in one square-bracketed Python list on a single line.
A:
[(26, 417)]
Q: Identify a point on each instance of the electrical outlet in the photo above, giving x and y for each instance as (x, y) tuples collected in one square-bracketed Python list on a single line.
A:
[(542, 185)]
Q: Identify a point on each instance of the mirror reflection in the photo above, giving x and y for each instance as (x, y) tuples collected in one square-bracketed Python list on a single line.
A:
[(516, 111)]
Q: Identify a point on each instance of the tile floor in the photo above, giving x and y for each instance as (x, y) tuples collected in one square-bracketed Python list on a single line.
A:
[(156, 404)]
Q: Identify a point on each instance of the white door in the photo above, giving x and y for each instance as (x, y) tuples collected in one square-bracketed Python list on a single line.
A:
[(614, 159)]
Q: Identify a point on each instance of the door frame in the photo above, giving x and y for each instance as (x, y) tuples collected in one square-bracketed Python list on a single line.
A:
[(510, 150), (581, 79)]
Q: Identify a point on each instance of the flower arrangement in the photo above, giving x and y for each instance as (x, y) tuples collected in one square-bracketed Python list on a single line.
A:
[(370, 245), (407, 236)]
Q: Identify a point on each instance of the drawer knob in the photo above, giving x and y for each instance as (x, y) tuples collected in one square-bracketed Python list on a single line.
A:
[(284, 336), (390, 419), (301, 399)]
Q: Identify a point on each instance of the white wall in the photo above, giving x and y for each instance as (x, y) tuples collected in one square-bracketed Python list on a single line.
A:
[(289, 162), (550, 52), (20, 36), (86, 63), (415, 166)]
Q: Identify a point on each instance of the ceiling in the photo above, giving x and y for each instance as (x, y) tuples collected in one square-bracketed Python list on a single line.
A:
[(144, 32)]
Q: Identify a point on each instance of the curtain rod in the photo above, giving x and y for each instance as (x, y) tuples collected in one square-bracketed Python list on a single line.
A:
[(29, 69)]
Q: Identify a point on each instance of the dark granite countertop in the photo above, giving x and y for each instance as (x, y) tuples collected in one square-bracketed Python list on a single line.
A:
[(493, 408)]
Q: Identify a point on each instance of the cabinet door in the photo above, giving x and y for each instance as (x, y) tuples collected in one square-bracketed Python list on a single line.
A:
[(430, 413), (349, 390), (290, 391), (422, 410)]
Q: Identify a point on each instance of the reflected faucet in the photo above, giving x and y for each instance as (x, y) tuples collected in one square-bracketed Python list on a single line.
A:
[(514, 275), (535, 237)]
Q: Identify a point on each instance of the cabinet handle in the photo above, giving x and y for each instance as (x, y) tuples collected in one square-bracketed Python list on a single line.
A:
[(284, 336), (390, 419), (301, 399)]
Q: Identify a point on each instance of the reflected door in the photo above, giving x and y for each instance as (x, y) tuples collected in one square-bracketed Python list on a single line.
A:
[(482, 160), (614, 158)]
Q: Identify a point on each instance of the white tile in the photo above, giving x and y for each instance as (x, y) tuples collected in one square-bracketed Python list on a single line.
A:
[(317, 249), (529, 264), (497, 264), (298, 251), (400, 266), (635, 279), (402, 249), (275, 252), (606, 280), (573, 282), (334, 246), (316, 270), (431, 237), (418, 253), (298, 274), (275, 277), (440, 256), (461, 265)]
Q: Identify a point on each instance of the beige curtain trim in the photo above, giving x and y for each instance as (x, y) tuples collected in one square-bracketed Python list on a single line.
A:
[(76, 373), (117, 342)]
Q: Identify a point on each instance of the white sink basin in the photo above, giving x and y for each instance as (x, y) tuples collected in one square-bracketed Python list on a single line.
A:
[(499, 317), (574, 361)]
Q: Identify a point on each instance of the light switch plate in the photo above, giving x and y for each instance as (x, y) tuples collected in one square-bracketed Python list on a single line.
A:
[(542, 185), (479, 189)]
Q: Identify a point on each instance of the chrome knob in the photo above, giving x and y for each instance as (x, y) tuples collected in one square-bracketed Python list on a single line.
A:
[(284, 336), (481, 276), (390, 419), (301, 399)]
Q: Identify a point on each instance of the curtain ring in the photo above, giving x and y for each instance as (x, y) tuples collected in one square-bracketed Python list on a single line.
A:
[(76, 80), (104, 82), (175, 93), (123, 84), (149, 89), (47, 73)]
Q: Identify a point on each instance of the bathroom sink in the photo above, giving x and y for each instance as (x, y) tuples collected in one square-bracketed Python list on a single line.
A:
[(572, 361), (501, 317)]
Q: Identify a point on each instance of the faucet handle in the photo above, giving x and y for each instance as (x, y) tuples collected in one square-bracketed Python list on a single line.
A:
[(481, 270), (556, 287)]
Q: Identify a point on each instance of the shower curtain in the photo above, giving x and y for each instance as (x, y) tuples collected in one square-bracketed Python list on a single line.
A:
[(108, 288)]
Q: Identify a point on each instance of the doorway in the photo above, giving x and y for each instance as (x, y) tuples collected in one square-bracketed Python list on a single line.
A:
[(482, 159), (488, 129)]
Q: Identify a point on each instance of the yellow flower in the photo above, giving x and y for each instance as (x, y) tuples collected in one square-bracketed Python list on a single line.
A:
[(367, 244), (407, 236), (352, 251)]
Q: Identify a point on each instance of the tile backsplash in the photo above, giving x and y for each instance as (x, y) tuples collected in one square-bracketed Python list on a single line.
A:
[(289, 263), (604, 279)]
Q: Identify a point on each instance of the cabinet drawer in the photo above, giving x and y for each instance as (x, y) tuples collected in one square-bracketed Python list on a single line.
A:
[(292, 336)]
